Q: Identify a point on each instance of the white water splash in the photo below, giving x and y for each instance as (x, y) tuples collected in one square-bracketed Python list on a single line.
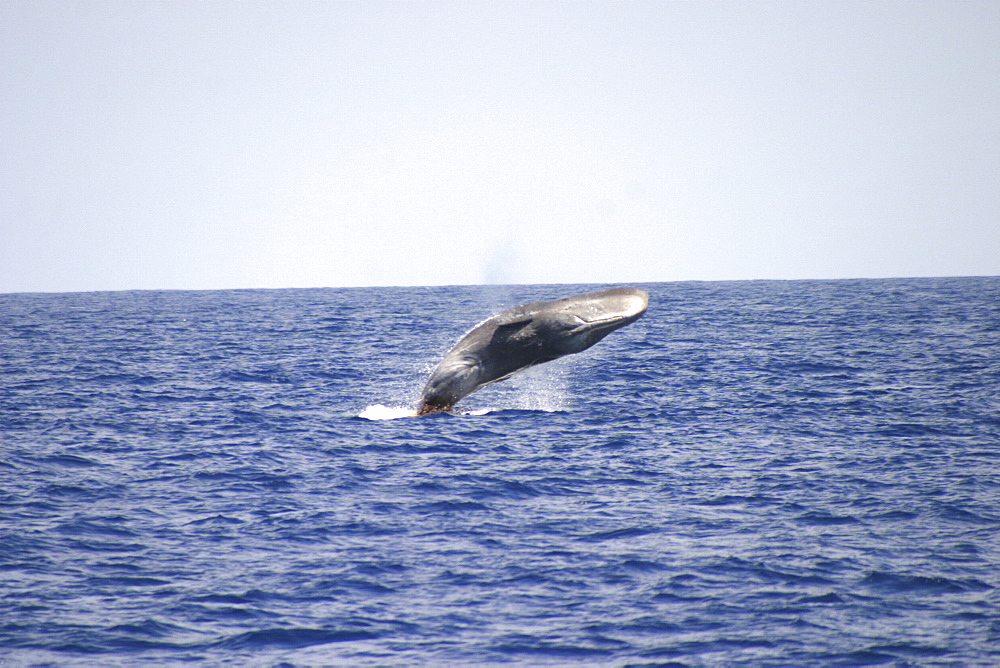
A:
[(542, 388), (382, 412)]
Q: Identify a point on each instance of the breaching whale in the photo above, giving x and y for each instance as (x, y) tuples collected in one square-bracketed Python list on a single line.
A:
[(526, 335)]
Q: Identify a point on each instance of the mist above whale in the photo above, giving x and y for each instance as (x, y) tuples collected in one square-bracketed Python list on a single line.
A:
[(527, 335)]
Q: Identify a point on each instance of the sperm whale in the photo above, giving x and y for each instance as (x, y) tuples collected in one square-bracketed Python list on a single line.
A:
[(526, 335)]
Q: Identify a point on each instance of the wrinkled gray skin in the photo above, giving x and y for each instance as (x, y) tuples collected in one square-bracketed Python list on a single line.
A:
[(527, 335)]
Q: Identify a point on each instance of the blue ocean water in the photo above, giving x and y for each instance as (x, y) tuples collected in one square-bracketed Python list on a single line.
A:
[(755, 473)]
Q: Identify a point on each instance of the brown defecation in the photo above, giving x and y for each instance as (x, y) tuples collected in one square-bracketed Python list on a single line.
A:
[(428, 408)]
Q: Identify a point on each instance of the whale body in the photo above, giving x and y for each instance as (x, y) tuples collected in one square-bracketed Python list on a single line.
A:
[(526, 335)]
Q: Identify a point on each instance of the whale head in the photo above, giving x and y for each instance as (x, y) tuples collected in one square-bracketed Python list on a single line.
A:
[(577, 323)]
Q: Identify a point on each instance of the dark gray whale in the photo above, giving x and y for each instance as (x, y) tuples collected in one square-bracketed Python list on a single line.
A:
[(527, 335)]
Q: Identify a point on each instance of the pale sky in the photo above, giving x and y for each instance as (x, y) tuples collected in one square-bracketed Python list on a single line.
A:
[(192, 144)]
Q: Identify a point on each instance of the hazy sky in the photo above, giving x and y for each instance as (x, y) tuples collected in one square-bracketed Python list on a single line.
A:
[(189, 144)]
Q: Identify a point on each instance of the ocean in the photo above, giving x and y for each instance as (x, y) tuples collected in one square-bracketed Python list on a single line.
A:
[(766, 473)]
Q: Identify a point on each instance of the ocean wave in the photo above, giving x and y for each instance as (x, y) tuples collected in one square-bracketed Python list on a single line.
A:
[(762, 473)]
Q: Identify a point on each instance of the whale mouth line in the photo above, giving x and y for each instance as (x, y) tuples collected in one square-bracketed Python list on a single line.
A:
[(599, 321), (605, 322), (628, 311), (593, 326)]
